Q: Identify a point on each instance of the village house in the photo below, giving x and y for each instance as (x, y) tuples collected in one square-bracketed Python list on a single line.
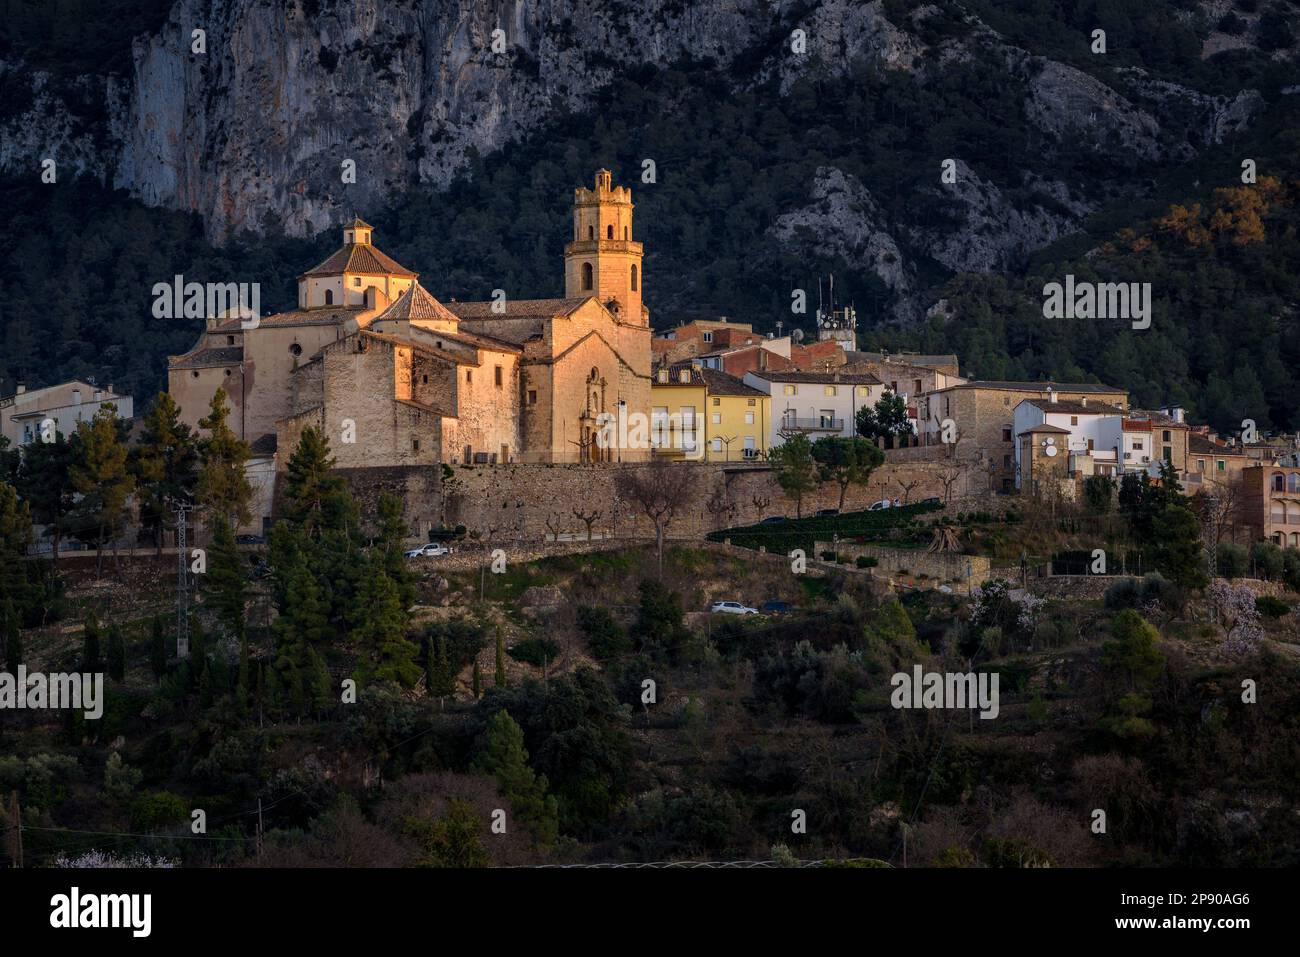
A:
[(703, 414), (24, 415), (817, 404)]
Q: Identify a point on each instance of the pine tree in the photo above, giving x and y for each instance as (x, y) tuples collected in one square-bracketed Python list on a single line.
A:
[(100, 474), (90, 657), (165, 465), (796, 469), (116, 653), (388, 655), (320, 682), (391, 544), (15, 538), (478, 680), (157, 647), (222, 487), (316, 498), (506, 759), (45, 484), (225, 582), (501, 660)]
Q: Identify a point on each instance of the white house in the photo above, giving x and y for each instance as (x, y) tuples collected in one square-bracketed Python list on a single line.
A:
[(62, 406), (1092, 437), (815, 403)]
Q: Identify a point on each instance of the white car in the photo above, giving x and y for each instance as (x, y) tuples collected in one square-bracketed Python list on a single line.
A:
[(731, 608), (432, 550), (883, 504)]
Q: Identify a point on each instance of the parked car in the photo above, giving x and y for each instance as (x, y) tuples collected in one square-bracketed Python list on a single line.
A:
[(776, 608), (431, 550), (774, 520), (883, 504), (731, 608), (249, 540), (827, 512), (932, 500)]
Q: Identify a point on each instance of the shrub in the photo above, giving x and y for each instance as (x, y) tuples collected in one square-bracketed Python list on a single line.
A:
[(828, 556), (534, 651), (605, 638), (1271, 607), (1268, 560), (1234, 562), (865, 561)]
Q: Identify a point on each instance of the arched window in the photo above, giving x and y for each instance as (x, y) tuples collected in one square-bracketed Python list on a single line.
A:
[(1278, 482), (1277, 513), (634, 278), (591, 232), (1295, 539), (625, 235), (329, 297), (1292, 513), (609, 231), (586, 275), (1293, 482)]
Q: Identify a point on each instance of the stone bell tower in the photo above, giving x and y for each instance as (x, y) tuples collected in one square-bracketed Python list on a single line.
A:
[(603, 260)]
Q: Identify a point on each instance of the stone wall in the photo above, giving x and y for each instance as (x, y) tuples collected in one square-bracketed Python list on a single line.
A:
[(528, 502), (949, 568)]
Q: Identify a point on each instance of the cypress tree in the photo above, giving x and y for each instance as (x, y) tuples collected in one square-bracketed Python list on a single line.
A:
[(478, 680), (225, 583), (501, 660), (116, 653), (90, 658), (13, 638)]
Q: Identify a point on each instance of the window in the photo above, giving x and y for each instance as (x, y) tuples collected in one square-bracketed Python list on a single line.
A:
[(863, 392), (749, 446), (1137, 445), (717, 418), (609, 231), (830, 390), (1006, 461), (751, 402), (634, 278), (1006, 435), (469, 376), (424, 380), (356, 281), (329, 297), (790, 389), (586, 276), (1279, 482), (916, 386), (295, 350), (1293, 482), (625, 232), (717, 401), (230, 340), (708, 337), (1006, 402), (749, 418), (496, 375), (1200, 465), (717, 445), (591, 232), (1166, 435), (415, 445), (1074, 420), (532, 396), (1220, 465), (195, 373)]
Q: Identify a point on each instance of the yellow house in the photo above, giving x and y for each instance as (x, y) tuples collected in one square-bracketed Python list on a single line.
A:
[(706, 415)]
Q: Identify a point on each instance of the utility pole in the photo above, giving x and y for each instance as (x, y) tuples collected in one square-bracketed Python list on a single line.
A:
[(15, 830), (182, 580), (259, 825)]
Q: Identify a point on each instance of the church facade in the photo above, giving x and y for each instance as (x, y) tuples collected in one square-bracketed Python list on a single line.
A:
[(397, 378)]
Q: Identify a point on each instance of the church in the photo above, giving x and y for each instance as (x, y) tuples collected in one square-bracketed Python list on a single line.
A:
[(395, 377)]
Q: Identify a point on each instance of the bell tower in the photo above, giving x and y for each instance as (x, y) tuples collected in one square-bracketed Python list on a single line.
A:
[(602, 260)]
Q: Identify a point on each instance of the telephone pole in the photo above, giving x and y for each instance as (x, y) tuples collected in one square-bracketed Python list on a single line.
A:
[(182, 579)]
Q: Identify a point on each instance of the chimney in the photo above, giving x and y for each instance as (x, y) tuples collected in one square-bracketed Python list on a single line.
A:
[(21, 389), (1084, 400), (1051, 395)]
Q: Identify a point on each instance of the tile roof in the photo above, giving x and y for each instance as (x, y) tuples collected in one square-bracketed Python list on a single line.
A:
[(1072, 407), (417, 303), (362, 258), (1045, 427), (829, 378), (1200, 445), (207, 358), (1010, 386), (516, 308), (715, 381)]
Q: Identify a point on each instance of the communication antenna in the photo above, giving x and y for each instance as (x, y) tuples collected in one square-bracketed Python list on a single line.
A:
[(182, 509)]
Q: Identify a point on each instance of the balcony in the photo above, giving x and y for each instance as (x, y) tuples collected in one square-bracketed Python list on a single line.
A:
[(820, 424)]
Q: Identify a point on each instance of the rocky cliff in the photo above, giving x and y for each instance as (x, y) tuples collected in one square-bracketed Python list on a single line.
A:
[(264, 124)]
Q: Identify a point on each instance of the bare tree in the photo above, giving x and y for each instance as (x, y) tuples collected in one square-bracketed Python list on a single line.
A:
[(948, 478), (760, 503), (586, 519), (660, 490), (720, 506), (907, 488), (555, 525)]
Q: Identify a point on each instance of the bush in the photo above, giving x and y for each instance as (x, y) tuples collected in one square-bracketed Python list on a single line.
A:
[(1271, 607), (829, 557), (605, 638), (866, 561), (1268, 560), (1291, 568), (534, 651), (1234, 561)]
